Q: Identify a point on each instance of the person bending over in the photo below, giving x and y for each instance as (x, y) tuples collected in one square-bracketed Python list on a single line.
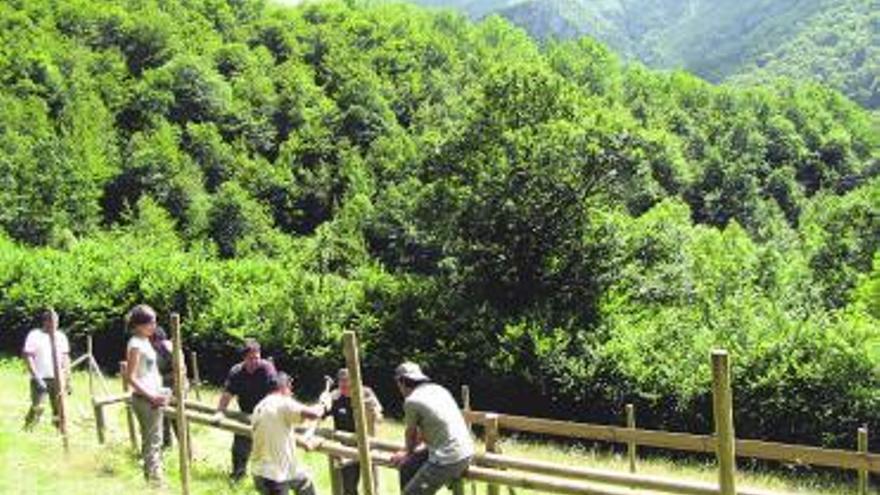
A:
[(250, 381), (274, 465), (432, 418)]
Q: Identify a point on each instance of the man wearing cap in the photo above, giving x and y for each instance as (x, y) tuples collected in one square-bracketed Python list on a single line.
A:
[(274, 462), (432, 417), (250, 381), (343, 420)]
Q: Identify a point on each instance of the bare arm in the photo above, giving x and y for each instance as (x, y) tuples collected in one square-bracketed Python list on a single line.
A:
[(313, 413), (413, 439), (31, 364), (225, 399)]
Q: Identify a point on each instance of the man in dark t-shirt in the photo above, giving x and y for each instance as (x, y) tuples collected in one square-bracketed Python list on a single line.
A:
[(249, 381), (343, 420)]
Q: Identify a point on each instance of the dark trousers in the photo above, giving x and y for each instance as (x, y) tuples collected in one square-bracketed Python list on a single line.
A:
[(38, 398), (301, 485), (351, 476), (241, 452), (419, 476)]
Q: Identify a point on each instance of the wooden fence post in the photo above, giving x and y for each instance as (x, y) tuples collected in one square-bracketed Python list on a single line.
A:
[(631, 445), (197, 379), (491, 426), (723, 414), (100, 422), (90, 353), (466, 407), (180, 408), (335, 482), (60, 382), (863, 448), (129, 415), (352, 360)]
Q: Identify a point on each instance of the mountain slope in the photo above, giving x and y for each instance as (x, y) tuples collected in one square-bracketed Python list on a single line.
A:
[(840, 47), (717, 39)]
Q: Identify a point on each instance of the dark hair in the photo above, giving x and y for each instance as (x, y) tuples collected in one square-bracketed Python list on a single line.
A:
[(141, 314), (47, 314), (409, 382), (249, 346), (281, 380)]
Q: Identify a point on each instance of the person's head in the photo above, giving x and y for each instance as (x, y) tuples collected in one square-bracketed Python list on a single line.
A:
[(409, 376), (250, 354), (344, 382), (141, 320), (282, 383), (48, 319)]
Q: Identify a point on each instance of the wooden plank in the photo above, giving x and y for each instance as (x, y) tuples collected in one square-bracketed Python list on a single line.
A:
[(60, 382), (89, 354), (722, 407), (111, 399), (197, 379), (862, 440), (100, 423), (384, 448), (129, 415), (182, 424), (492, 445), (631, 445), (352, 360), (687, 442)]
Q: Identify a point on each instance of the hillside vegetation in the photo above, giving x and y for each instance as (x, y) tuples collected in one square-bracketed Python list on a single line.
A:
[(563, 232), (834, 42)]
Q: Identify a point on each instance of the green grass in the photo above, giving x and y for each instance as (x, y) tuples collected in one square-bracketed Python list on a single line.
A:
[(34, 463)]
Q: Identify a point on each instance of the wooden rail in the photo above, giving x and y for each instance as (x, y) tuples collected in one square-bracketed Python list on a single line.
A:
[(689, 442), (239, 424)]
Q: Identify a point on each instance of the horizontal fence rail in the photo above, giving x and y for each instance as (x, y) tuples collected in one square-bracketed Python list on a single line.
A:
[(688, 442)]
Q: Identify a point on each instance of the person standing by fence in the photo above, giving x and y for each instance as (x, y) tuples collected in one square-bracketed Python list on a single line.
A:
[(163, 347), (37, 354), (343, 420), (148, 396), (250, 381), (431, 415)]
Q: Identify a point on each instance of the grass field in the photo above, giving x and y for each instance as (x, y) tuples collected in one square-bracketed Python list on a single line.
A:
[(34, 463)]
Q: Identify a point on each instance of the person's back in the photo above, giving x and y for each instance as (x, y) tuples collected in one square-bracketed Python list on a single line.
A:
[(273, 462), (274, 454), (435, 412)]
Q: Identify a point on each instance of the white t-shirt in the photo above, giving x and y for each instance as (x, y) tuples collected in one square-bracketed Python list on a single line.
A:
[(274, 454), (38, 344), (147, 371)]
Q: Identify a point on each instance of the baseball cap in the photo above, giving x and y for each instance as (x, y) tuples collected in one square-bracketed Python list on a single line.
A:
[(411, 371)]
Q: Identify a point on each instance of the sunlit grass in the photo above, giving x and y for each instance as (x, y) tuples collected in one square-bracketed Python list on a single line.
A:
[(35, 463)]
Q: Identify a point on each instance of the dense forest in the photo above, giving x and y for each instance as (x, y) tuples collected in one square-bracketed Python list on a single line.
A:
[(836, 42), (563, 231)]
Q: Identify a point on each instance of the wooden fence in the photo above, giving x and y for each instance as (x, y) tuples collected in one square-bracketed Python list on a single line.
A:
[(497, 469)]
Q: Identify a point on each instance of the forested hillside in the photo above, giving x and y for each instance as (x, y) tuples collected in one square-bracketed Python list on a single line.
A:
[(563, 231), (835, 42), (839, 47)]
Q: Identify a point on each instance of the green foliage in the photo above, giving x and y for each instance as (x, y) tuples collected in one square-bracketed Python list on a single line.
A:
[(538, 220)]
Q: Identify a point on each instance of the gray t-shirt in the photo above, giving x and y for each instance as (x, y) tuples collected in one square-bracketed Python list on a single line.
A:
[(432, 410)]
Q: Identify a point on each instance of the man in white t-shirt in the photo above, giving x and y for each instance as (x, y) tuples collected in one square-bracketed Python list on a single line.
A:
[(37, 354), (273, 461)]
